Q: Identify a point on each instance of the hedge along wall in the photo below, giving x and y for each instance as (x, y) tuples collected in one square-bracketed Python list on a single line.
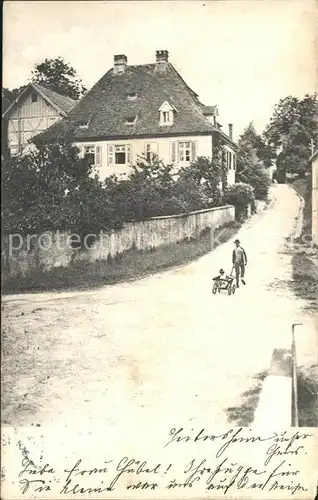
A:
[(43, 252)]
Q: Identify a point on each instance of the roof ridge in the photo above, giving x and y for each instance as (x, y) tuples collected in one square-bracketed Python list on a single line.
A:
[(194, 96), (105, 106), (45, 87)]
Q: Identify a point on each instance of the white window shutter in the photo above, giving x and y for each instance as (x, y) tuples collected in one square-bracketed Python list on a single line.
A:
[(98, 156), (111, 154), (128, 155), (193, 151), (173, 152)]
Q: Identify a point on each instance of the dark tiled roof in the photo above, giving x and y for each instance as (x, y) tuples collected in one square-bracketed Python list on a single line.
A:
[(63, 102), (103, 111), (209, 110)]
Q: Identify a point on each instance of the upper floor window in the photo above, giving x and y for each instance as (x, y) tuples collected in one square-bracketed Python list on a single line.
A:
[(167, 112), (131, 120), (132, 96), (34, 96), (230, 160)]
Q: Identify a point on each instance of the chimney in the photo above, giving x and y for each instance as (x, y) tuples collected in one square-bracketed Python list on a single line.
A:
[(162, 57), (120, 64), (231, 131)]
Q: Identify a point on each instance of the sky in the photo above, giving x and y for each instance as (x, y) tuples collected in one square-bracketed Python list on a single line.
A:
[(242, 56)]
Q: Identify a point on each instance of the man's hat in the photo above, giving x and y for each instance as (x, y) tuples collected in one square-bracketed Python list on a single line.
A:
[(237, 241)]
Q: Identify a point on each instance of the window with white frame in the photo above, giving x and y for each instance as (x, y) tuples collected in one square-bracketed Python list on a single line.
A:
[(119, 154), (151, 150), (166, 113), (183, 151), (93, 153)]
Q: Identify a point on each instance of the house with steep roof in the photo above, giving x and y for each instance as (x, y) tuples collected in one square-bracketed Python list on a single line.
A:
[(143, 110), (34, 110)]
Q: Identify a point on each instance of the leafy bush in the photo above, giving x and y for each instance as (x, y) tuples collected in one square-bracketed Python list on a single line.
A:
[(240, 195), (52, 188), (257, 178), (154, 189)]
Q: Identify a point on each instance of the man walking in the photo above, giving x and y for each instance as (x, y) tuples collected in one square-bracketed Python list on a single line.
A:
[(239, 261)]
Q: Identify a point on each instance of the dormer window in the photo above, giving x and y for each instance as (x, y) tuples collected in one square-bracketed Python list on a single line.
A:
[(166, 116), (83, 125), (132, 96), (166, 111), (131, 120)]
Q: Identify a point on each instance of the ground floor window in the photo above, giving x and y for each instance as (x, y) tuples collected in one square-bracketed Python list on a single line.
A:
[(119, 154), (151, 151), (93, 153), (183, 151)]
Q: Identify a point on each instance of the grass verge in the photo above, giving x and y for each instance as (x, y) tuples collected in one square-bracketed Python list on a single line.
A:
[(307, 385), (243, 415), (305, 286), (303, 188), (127, 266)]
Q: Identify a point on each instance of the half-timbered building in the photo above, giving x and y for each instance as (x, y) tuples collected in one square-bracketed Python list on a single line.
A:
[(34, 110)]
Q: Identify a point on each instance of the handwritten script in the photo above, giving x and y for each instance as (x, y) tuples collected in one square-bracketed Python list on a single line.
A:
[(216, 471)]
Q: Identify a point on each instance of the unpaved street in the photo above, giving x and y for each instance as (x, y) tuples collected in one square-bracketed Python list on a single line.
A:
[(160, 348)]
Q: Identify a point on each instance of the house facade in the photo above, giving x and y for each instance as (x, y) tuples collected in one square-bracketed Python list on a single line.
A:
[(140, 111), (36, 109)]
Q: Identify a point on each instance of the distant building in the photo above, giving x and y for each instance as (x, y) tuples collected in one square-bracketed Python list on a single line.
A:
[(34, 110), (144, 110), (314, 170)]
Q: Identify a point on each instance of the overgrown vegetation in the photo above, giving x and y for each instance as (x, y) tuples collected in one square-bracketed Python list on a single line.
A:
[(240, 195), (307, 385), (292, 128), (304, 188), (305, 285), (253, 157), (52, 189)]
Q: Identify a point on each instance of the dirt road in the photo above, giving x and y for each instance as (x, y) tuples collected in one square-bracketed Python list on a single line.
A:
[(160, 348)]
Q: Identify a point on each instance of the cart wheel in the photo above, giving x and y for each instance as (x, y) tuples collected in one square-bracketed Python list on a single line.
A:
[(229, 290), (215, 288), (233, 289)]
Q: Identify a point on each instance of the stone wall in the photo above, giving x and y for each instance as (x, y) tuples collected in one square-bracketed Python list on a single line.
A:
[(49, 250)]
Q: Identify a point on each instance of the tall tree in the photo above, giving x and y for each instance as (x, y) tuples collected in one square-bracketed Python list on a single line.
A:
[(251, 159), (60, 76), (262, 149), (292, 127)]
